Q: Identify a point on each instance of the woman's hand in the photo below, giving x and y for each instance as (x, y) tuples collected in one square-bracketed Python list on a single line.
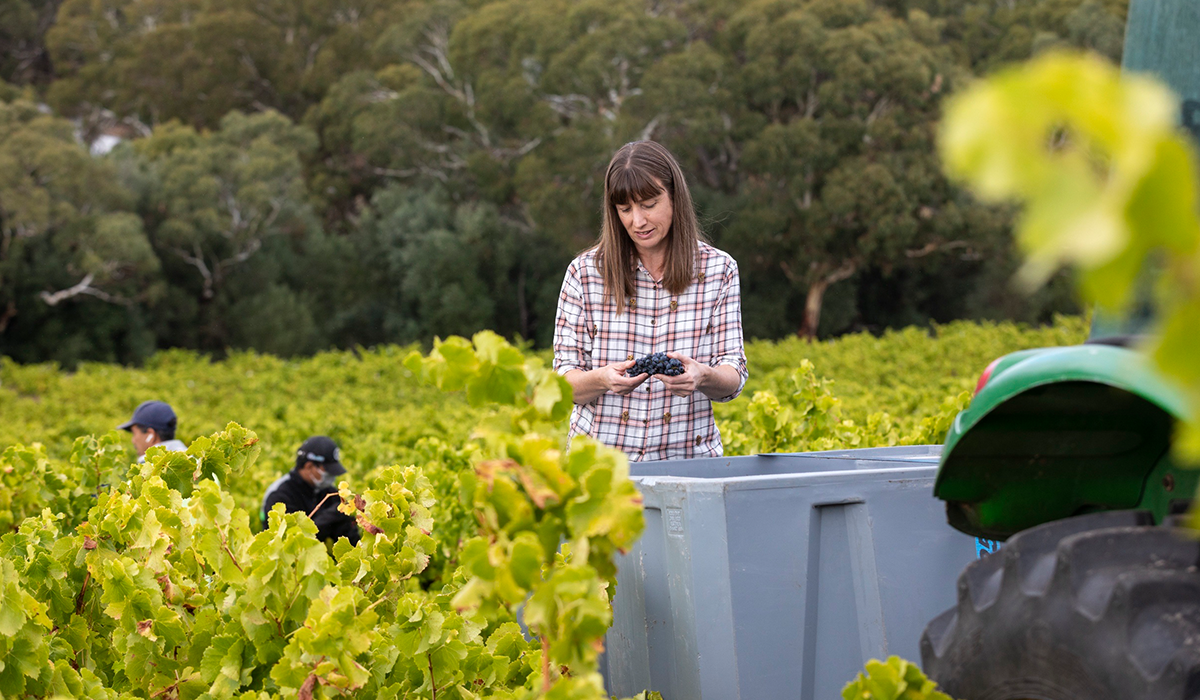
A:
[(592, 384), (689, 381), (615, 380), (714, 382)]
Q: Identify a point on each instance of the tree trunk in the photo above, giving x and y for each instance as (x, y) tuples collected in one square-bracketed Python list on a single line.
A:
[(812, 309), (8, 314), (522, 307), (816, 296)]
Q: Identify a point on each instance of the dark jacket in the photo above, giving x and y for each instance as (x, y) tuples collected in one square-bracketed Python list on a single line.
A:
[(296, 494)]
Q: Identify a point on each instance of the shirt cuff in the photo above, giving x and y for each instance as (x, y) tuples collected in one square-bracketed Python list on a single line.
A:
[(742, 374)]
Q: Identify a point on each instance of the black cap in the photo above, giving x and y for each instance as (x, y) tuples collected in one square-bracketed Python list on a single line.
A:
[(152, 414), (323, 451)]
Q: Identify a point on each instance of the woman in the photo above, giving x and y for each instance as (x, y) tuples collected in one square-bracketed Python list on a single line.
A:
[(650, 285)]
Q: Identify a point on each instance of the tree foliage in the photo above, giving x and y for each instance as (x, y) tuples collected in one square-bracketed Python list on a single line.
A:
[(285, 156), (67, 227)]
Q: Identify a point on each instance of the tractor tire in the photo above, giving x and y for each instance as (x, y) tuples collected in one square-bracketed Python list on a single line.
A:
[(1096, 607)]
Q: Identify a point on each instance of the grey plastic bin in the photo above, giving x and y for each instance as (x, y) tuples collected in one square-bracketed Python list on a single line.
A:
[(779, 576)]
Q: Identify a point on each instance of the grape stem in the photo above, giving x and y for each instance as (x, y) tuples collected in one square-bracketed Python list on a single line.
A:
[(225, 546), (82, 591), (170, 688), (432, 684), (318, 506), (545, 664)]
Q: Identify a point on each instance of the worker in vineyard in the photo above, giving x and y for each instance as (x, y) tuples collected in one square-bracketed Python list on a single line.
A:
[(305, 489), (650, 285), (153, 423)]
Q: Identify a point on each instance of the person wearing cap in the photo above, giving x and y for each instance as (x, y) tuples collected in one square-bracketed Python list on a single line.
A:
[(308, 483), (153, 423)]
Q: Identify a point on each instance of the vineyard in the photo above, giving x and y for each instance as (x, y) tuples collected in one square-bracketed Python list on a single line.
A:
[(486, 564)]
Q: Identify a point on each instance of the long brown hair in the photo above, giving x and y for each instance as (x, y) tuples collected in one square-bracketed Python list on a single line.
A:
[(638, 171)]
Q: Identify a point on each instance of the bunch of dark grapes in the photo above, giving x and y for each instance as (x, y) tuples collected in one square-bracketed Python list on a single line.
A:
[(657, 363)]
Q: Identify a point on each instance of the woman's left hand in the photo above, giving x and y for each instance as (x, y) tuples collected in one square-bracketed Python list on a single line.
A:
[(689, 381)]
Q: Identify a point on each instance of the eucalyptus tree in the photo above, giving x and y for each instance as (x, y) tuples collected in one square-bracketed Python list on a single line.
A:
[(68, 233), (23, 25), (838, 101), (213, 201), (196, 60)]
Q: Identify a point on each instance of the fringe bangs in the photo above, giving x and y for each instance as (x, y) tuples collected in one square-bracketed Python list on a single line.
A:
[(627, 185)]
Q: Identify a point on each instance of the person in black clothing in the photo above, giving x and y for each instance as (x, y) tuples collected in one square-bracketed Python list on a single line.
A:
[(302, 488)]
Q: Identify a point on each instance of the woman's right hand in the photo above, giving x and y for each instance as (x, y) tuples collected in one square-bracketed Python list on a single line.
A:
[(617, 382), (592, 384)]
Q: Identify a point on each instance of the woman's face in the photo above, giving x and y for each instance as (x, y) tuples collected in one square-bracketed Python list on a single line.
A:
[(648, 222)]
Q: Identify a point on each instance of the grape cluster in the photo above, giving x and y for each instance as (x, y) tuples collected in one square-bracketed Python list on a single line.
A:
[(657, 363)]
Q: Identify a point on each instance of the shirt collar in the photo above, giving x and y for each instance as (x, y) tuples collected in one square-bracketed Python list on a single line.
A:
[(697, 265), (642, 268)]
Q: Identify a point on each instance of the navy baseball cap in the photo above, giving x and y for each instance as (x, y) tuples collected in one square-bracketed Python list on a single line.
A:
[(323, 451), (152, 414)]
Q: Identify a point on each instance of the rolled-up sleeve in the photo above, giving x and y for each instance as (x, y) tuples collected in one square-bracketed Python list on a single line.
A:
[(728, 346), (572, 339)]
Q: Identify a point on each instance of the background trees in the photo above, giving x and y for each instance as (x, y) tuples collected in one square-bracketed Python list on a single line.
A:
[(338, 172), (214, 201), (67, 234)]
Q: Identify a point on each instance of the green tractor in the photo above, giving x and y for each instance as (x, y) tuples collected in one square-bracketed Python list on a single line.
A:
[(1065, 456)]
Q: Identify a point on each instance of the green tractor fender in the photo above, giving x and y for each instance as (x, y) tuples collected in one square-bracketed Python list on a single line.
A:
[(1057, 432)]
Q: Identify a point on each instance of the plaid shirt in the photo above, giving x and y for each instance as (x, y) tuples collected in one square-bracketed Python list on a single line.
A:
[(704, 323)]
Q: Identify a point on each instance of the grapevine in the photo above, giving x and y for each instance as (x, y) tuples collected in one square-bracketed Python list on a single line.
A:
[(153, 580), (148, 581)]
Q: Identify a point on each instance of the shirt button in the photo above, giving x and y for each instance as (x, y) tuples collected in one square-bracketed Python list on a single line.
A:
[(647, 422), (595, 330), (667, 416), (629, 356), (698, 439), (674, 304), (701, 276), (633, 303), (624, 416), (647, 388), (652, 322)]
